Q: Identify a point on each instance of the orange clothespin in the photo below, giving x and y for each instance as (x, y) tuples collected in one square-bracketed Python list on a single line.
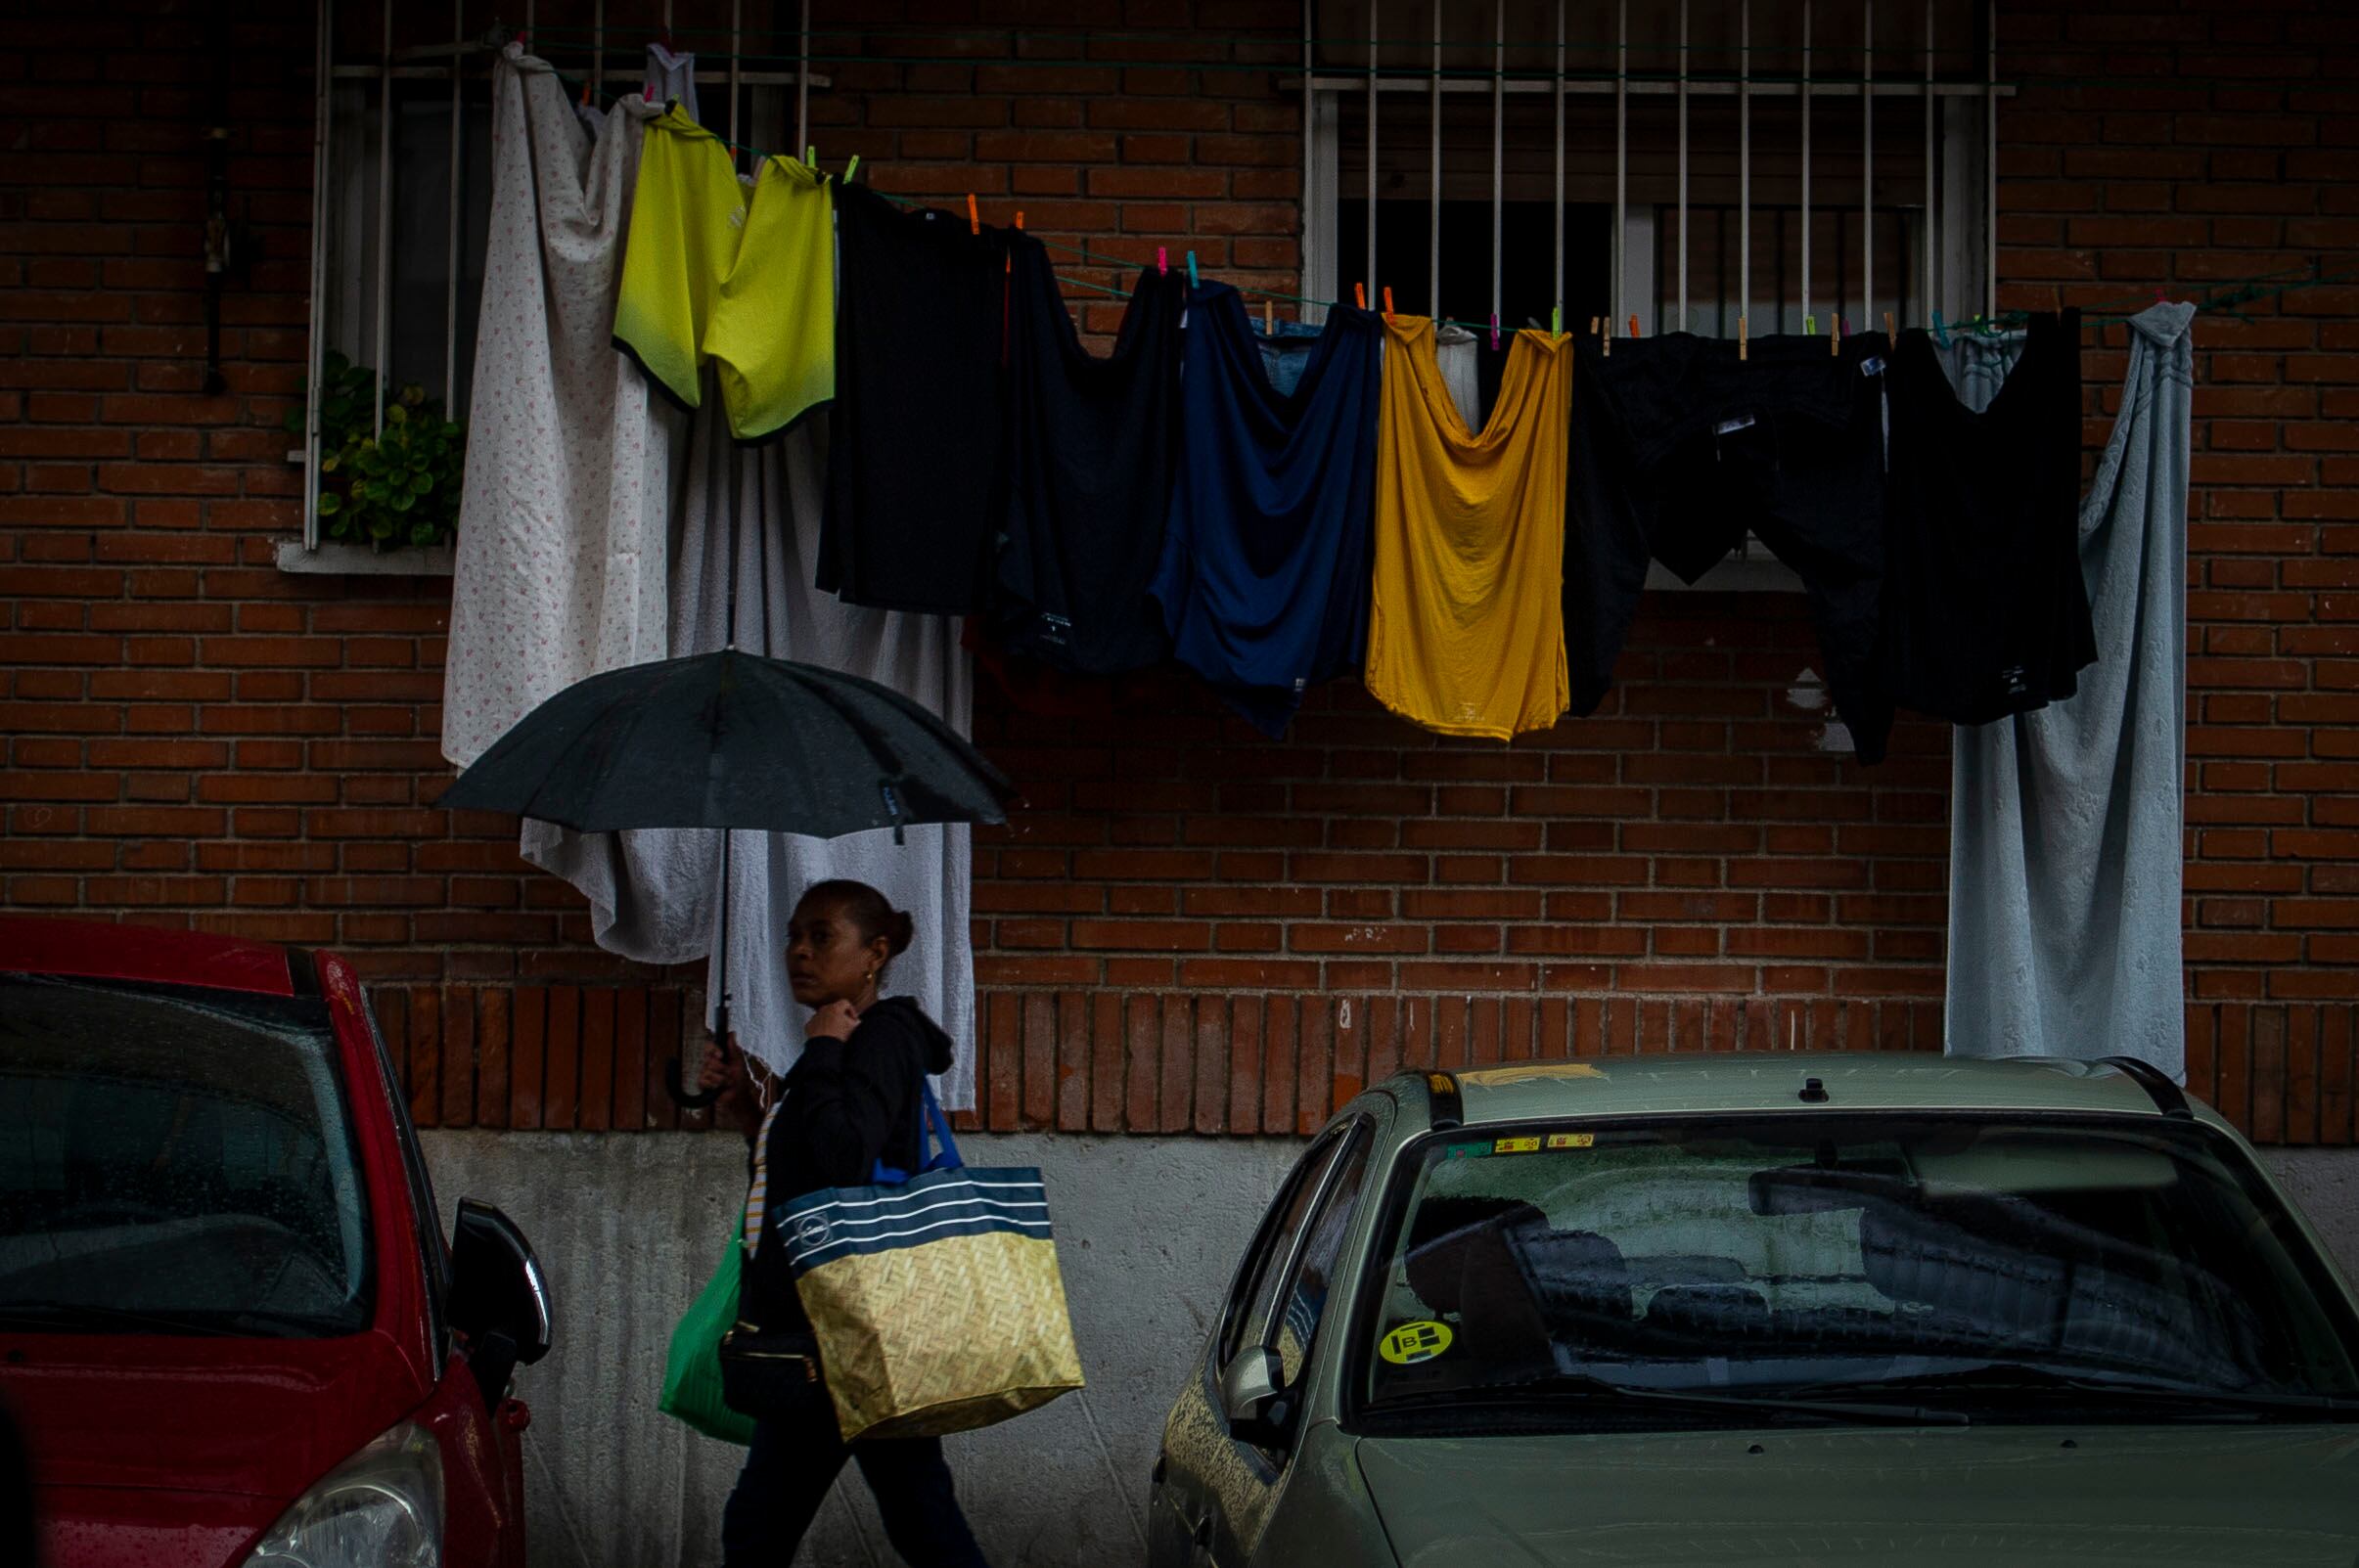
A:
[(585, 95), (1741, 340), (1387, 301), (1888, 326), (1359, 294), (1634, 326), (1269, 318), (975, 221)]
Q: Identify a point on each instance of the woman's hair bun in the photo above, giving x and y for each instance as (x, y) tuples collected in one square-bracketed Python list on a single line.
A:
[(870, 911)]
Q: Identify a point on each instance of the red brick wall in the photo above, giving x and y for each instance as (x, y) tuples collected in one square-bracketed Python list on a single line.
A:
[(1188, 927)]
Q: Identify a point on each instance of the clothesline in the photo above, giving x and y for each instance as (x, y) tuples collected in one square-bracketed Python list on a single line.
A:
[(2218, 297)]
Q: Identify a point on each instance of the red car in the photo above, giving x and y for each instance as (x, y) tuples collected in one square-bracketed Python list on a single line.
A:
[(230, 1331)]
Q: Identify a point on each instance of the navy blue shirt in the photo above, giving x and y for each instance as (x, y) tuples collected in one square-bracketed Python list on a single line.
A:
[(1264, 579)]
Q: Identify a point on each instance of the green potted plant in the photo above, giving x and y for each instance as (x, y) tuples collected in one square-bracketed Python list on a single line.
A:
[(392, 490)]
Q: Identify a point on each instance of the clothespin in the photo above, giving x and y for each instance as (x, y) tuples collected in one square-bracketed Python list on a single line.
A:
[(1741, 346), (1593, 326), (519, 39), (1607, 348), (1192, 269), (1941, 330), (585, 95), (1494, 332), (810, 156), (851, 169), (1634, 326), (2158, 299), (1269, 318), (1162, 260), (1556, 325), (1359, 294), (1387, 301), (975, 221), (1888, 326), (1835, 337), (1809, 326)]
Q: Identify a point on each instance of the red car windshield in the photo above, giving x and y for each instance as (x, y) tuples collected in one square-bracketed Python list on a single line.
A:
[(175, 1161), (1709, 1270)]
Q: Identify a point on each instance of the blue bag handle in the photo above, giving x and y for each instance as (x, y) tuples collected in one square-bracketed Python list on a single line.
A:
[(932, 1128)]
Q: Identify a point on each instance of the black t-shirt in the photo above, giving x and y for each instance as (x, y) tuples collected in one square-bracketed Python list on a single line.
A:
[(916, 483), (1091, 444), (1987, 612)]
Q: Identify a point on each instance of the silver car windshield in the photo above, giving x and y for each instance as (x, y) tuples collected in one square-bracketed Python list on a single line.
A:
[(2017, 1265), (175, 1161)]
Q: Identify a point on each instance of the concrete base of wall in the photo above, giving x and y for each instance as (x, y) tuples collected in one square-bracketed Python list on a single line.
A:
[(630, 1228)]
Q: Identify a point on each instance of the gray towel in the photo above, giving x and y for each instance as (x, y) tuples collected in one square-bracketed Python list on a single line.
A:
[(2065, 844)]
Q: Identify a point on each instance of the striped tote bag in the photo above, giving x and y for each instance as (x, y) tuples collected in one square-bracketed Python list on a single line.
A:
[(936, 1300)]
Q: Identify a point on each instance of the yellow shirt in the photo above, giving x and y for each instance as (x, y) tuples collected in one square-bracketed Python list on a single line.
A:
[(747, 279), (1466, 626)]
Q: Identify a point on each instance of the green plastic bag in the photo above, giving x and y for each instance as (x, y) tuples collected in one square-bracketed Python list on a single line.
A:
[(692, 1370)]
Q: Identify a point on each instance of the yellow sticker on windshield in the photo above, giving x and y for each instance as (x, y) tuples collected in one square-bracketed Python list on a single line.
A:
[(1572, 1141), (1515, 1145), (1412, 1343)]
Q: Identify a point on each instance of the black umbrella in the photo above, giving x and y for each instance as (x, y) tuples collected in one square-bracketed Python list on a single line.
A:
[(732, 740)]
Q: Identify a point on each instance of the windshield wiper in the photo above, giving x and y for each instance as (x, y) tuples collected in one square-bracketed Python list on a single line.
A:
[(1582, 1387), (66, 1317), (2025, 1378)]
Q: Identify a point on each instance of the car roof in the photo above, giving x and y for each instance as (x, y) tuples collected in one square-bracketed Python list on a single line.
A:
[(1762, 1081), (96, 950)]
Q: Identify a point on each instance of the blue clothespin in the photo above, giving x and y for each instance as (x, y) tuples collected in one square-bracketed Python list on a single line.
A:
[(1941, 330), (1191, 269)]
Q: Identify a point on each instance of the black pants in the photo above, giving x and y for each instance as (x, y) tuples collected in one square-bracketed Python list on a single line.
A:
[(797, 1457)]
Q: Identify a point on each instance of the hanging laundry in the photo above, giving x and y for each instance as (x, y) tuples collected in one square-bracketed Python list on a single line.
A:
[(1264, 577), (744, 279), (1465, 630), (1689, 447), (1455, 354), (672, 79), (2064, 839), (1091, 444), (917, 480), (561, 569), (1285, 352), (748, 530), (1986, 613)]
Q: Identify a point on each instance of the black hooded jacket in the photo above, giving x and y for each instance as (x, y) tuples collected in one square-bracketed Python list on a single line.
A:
[(848, 1104)]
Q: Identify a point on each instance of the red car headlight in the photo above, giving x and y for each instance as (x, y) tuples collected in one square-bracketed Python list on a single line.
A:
[(381, 1509)]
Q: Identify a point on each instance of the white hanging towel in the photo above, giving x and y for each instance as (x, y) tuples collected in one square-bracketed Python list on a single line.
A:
[(2065, 844), (653, 893), (561, 569)]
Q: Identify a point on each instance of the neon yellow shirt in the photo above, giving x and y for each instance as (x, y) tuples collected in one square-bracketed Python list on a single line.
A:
[(1466, 624), (747, 279)]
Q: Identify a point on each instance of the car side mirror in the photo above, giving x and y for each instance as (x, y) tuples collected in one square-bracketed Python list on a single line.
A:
[(1258, 1411), (499, 1298)]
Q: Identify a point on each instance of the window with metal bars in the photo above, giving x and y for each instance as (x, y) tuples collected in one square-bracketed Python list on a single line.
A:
[(402, 186)]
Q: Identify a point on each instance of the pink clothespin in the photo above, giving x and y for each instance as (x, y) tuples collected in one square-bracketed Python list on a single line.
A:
[(1162, 260), (1494, 330)]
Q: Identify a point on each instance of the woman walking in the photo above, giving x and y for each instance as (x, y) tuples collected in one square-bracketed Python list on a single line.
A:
[(853, 1101)]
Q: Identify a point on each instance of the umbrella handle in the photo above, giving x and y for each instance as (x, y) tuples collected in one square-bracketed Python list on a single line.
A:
[(681, 1095)]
